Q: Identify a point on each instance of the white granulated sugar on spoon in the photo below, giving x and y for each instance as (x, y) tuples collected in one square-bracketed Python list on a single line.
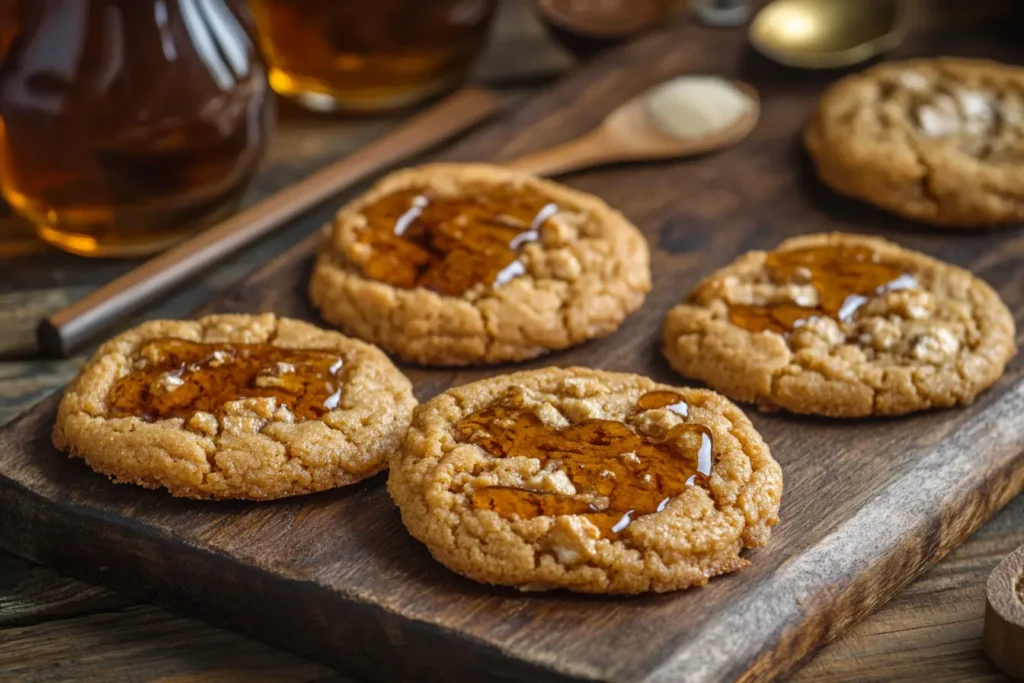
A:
[(694, 106)]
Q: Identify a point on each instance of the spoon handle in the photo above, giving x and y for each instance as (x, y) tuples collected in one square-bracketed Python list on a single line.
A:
[(590, 150)]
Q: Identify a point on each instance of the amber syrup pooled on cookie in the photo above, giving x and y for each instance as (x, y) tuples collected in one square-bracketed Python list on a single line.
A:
[(618, 473), (181, 378), (845, 278), (451, 244)]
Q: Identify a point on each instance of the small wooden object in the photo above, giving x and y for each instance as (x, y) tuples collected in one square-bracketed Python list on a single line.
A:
[(629, 133), (1004, 615)]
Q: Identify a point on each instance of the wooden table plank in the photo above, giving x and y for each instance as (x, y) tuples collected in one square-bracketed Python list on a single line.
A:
[(932, 631), (53, 628)]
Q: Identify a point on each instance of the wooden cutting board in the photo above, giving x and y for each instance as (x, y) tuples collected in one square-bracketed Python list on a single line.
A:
[(868, 504)]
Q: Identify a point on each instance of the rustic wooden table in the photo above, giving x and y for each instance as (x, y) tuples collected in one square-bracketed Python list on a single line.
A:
[(53, 628)]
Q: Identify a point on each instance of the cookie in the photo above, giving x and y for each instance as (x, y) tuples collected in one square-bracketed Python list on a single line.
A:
[(235, 406), (454, 265), (593, 481), (934, 140), (843, 326)]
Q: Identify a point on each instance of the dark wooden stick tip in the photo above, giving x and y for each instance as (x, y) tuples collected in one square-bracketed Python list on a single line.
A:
[(50, 340)]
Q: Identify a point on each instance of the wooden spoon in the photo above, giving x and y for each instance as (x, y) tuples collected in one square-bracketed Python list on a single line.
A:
[(630, 133)]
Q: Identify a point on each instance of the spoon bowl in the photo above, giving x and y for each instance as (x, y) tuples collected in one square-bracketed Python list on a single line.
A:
[(828, 34), (631, 133)]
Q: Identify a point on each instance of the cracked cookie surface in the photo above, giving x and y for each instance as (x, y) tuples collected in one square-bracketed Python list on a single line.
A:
[(935, 140), (843, 326), (235, 406), (461, 264), (593, 481)]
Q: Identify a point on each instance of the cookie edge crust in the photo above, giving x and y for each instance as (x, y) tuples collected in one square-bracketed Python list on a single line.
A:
[(758, 384), (763, 487), (76, 428), (871, 176), (459, 332)]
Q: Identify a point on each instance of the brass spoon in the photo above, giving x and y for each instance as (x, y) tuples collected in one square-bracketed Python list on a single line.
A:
[(630, 133), (828, 34)]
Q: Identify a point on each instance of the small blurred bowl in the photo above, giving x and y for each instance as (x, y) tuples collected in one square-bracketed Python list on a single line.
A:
[(587, 27)]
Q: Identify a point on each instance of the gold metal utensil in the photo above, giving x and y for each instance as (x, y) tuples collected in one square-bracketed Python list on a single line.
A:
[(828, 34)]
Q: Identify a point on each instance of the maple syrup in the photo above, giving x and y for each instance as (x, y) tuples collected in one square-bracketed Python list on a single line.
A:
[(182, 378), (127, 124), (452, 244), (619, 474), (357, 55), (670, 400), (845, 278)]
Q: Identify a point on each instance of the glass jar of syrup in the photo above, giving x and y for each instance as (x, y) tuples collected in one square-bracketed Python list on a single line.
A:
[(369, 55), (127, 124)]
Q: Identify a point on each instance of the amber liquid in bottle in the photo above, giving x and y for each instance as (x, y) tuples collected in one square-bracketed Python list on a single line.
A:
[(127, 124), (369, 55)]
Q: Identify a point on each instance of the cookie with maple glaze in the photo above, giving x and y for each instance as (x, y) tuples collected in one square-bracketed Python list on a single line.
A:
[(593, 481), (935, 140), (461, 264), (235, 406), (843, 326)]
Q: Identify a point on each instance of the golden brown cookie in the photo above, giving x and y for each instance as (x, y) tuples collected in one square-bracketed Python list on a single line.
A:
[(936, 140), (844, 326), (594, 481), (467, 264), (235, 406)]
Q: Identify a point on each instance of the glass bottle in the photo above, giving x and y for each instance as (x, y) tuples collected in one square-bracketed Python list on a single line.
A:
[(127, 124), (369, 55)]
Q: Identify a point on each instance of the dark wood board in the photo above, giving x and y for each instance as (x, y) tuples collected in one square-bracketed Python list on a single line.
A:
[(868, 504)]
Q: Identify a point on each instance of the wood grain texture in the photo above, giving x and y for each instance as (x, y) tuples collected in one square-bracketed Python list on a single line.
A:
[(931, 631), (914, 474)]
